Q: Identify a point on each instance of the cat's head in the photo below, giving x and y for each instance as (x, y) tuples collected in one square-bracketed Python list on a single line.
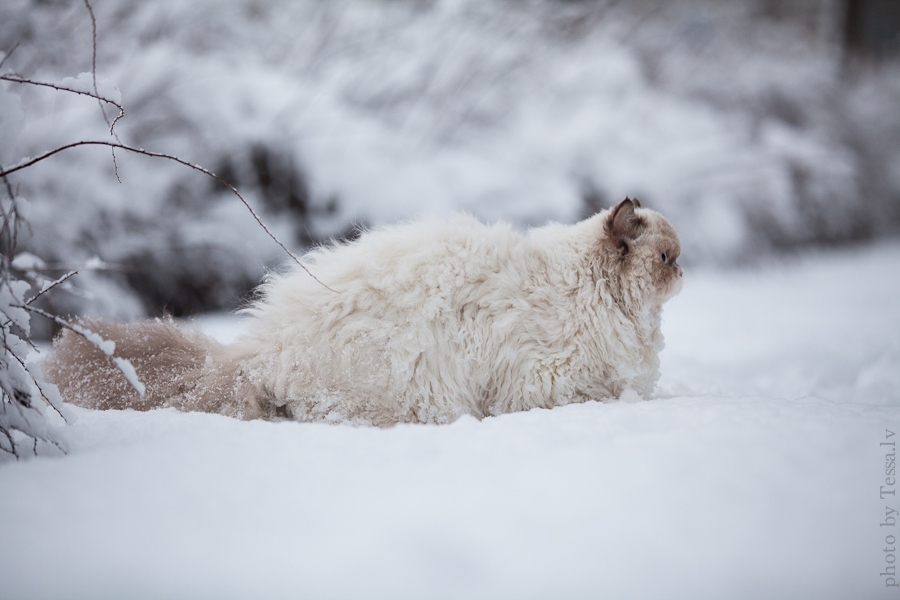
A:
[(644, 249)]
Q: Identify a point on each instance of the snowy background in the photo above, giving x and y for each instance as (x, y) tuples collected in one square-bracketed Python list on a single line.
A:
[(753, 472), (747, 125)]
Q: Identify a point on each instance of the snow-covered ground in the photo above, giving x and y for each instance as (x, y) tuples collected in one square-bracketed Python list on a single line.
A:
[(757, 471)]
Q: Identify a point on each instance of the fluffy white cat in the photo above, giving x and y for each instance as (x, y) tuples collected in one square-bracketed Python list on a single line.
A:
[(421, 322)]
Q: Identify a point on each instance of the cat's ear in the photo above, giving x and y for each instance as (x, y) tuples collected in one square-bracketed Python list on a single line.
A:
[(623, 226)]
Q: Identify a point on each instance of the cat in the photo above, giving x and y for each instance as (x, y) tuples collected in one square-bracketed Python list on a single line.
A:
[(419, 322)]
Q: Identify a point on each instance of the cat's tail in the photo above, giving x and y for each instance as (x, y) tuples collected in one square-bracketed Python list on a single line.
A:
[(178, 367)]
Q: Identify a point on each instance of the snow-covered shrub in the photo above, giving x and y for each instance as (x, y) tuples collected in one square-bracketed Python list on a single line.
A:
[(25, 398), (23, 394)]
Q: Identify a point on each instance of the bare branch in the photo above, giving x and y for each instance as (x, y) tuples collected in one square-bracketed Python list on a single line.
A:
[(90, 10), (8, 54), (9, 190), (180, 161), (38, 386), (59, 281), (115, 162), (12, 444), (13, 78), (10, 224)]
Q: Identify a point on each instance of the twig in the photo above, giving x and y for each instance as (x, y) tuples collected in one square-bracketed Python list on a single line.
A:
[(38, 385), (112, 126), (59, 281), (9, 190), (13, 78), (116, 164), (90, 10), (8, 54), (12, 444), (180, 161), (10, 221)]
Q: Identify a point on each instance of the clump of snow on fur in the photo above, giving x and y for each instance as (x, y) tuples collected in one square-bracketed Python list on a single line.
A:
[(108, 347), (130, 374)]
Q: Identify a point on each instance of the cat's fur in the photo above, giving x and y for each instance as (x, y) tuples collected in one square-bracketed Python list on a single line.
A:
[(420, 322)]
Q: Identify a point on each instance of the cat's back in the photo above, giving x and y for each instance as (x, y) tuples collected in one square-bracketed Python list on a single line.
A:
[(433, 255)]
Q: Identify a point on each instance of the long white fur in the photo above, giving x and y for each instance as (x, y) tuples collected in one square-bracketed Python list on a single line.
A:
[(440, 319), (428, 321)]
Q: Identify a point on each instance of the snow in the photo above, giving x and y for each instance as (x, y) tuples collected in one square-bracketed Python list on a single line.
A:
[(26, 261), (107, 347), (755, 472), (130, 374)]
